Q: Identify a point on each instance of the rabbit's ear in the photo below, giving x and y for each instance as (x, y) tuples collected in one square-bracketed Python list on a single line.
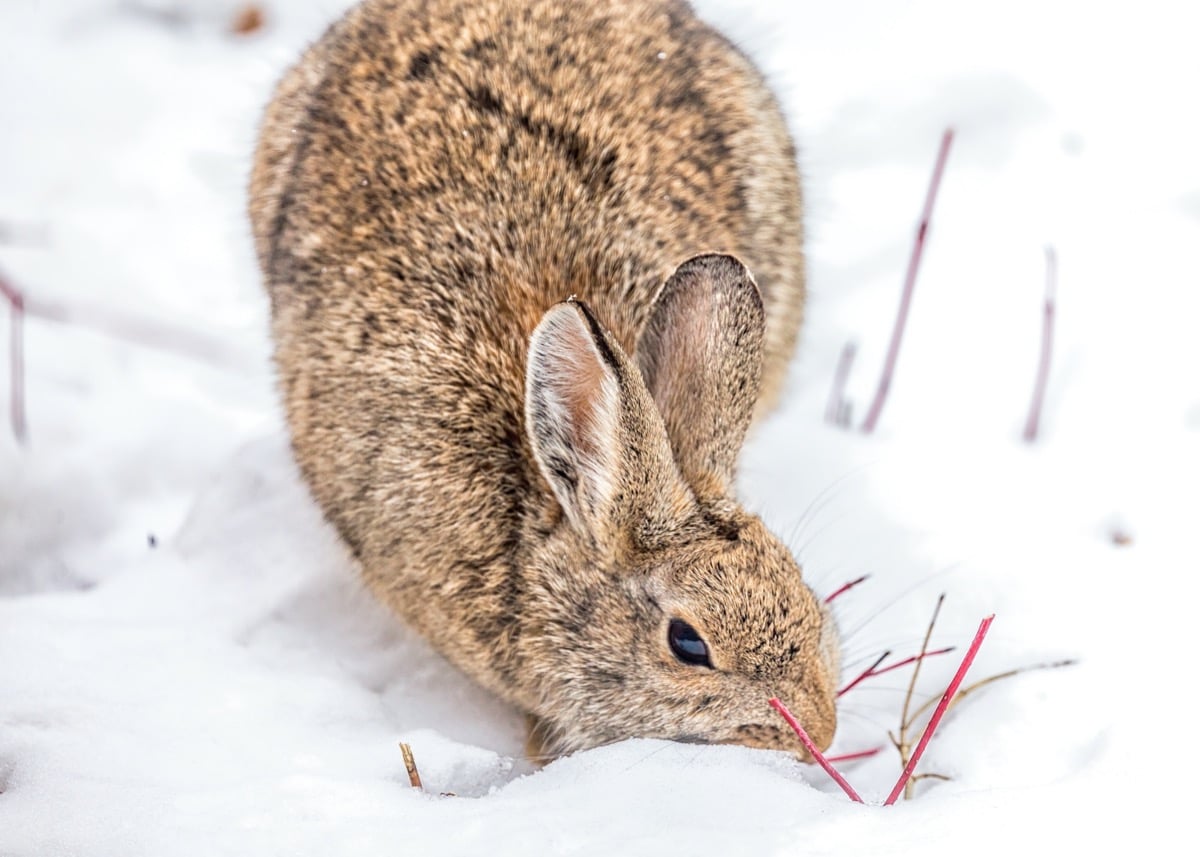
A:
[(573, 411), (701, 356)]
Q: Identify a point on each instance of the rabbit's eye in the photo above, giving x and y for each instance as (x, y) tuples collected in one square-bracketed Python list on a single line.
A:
[(687, 644)]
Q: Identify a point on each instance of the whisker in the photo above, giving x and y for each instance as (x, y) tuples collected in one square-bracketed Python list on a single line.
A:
[(862, 651), (810, 516), (818, 504), (824, 496), (815, 505), (885, 689), (803, 549), (898, 598), (868, 711), (646, 757)]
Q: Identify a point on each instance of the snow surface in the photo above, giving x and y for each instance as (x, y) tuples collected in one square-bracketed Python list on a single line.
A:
[(189, 666)]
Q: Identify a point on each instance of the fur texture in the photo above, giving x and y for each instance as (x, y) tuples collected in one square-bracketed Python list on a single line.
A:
[(517, 406)]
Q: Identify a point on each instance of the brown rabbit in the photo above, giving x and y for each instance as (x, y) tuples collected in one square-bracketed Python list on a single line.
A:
[(521, 416)]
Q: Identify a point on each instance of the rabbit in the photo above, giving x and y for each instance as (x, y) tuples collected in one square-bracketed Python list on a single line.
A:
[(508, 248)]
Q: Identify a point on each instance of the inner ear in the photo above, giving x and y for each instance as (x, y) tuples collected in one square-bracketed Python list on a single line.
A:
[(701, 357), (573, 412)]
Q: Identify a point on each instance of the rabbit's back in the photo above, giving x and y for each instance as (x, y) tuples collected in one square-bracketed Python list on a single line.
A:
[(431, 177)]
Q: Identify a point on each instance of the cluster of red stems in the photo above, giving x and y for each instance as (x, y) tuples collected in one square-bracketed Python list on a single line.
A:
[(826, 762), (837, 411)]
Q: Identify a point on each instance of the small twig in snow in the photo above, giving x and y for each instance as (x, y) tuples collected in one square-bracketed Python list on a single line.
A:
[(16, 358), (837, 411), (1033, 421), (910, 279), (410, 765)]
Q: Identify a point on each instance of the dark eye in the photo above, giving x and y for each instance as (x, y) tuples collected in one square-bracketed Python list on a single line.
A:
[(687, 644)]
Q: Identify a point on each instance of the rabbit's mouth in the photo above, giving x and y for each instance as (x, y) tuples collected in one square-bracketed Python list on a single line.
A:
[(763, 742)]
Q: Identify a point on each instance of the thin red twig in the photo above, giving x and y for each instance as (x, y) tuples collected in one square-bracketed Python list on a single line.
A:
[(16, 357), (845, 587), (913, 659), (850, 757), (910, 279), (940, 711), (1033, 421), (812, 748), (837, 410), (867, 673), (871, 672)]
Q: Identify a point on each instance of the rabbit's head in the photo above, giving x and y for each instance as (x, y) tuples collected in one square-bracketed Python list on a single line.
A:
[(656, 606)]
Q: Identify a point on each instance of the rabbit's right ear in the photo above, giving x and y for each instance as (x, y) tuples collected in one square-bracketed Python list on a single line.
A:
[(573, 412), (701, 356)]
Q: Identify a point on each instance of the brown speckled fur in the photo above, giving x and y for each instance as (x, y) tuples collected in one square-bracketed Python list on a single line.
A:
[(432, 180)]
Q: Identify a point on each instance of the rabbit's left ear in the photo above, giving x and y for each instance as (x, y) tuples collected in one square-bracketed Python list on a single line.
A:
[(573, 413), (701, 357), (595, 433)]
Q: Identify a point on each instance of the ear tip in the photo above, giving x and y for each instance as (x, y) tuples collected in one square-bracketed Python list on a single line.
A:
[(572, 320), (560, 318), (721, 273), (723, 266), (569, 308)]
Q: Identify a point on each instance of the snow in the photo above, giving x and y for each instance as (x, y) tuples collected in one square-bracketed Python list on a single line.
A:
[(188, 664)]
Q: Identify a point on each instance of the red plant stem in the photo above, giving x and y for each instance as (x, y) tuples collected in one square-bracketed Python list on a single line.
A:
[(16, 344), (835, 409), (1033, 421), (910, 279), (871, 672), (812, 748), (850, 757), (845, 587), (867, 673), (913, 659), (940, 711)]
